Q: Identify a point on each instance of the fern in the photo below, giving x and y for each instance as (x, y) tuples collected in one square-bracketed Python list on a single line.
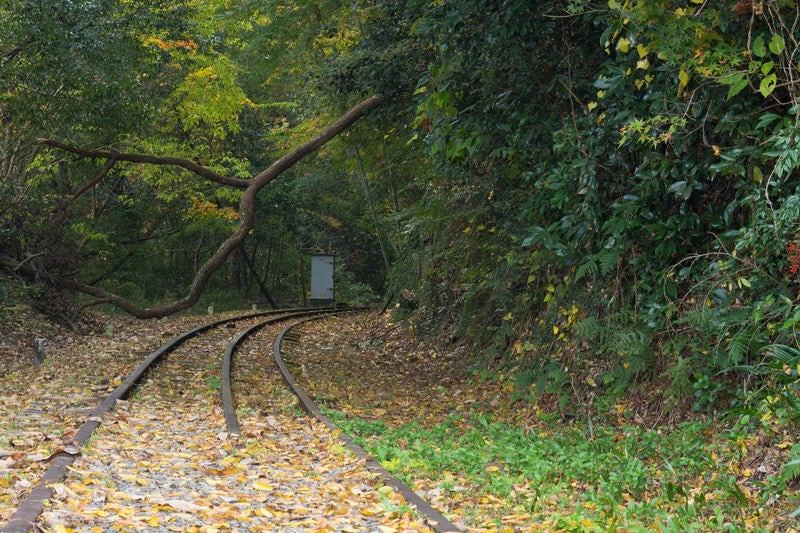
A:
[(737, 349), (783, 355), (589, 268), (602, 262), (608, 260), (589, 328), (791, 470)]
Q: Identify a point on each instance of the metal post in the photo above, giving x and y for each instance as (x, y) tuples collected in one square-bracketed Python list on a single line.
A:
[(38, 351)]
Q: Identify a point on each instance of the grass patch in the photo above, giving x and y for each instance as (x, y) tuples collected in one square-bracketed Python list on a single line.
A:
[(568, 478)]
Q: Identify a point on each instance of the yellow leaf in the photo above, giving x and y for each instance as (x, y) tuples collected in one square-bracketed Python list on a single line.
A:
[(591, 105), (643, 64), (153, 521), (641, 50), (683, 78), (555, 330), (131, 478), (624, 45), (262, 485)]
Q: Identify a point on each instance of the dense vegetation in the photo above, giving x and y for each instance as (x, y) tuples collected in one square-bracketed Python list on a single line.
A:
[(590, 196)]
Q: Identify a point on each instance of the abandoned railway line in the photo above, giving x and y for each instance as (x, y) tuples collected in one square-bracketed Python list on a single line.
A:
[(205, 435)]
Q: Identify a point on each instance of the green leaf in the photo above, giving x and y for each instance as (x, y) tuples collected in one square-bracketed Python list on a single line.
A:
[(759, 48), (737, 82), (776, 44), (766, 119), (758, 175), (767, 85), (681, 189)]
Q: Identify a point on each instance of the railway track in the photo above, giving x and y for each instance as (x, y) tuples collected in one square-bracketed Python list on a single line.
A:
[(204, 436)]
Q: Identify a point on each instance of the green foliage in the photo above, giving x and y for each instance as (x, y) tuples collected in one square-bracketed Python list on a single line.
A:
[(658, 202), (616, 478), (592, 195)]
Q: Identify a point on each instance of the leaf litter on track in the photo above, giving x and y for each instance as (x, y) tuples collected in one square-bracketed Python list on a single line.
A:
[(163, 461), (44, 405), (378, 371)]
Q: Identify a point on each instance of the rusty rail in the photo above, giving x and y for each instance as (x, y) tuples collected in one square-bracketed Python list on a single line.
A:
[(24, 518), (434, 518)]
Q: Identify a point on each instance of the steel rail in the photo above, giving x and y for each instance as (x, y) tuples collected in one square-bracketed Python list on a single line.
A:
[(433, 518), (27, 513), (226, 382)]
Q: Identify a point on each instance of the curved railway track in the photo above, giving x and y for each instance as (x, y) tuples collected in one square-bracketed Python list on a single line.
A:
[(169, 441)]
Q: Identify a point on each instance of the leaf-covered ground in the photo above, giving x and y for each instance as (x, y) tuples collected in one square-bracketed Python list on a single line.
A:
[(493, 462), (489, 461), (162, 460)]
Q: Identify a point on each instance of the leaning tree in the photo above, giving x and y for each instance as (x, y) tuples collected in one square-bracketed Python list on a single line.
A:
[(250, 188)]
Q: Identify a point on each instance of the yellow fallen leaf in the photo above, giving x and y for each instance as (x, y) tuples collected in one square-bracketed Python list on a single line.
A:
[(260, 484), (131, 478), (373, 511)]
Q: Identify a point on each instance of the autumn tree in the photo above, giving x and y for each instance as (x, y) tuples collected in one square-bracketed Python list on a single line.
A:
[(116, 197)]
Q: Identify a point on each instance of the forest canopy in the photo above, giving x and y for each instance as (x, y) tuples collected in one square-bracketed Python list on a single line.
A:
[(600, 193)]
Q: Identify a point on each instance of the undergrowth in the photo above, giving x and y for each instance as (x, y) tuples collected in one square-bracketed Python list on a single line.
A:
[(692, 477)]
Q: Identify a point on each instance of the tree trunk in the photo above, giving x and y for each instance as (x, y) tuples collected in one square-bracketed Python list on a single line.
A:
[(246, 210)]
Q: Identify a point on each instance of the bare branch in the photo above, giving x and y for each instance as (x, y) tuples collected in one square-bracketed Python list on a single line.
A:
[(200, 170)]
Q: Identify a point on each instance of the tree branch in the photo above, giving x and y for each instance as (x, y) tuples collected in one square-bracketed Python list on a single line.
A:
[(97, 179), (246, 209), (198, 169)]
